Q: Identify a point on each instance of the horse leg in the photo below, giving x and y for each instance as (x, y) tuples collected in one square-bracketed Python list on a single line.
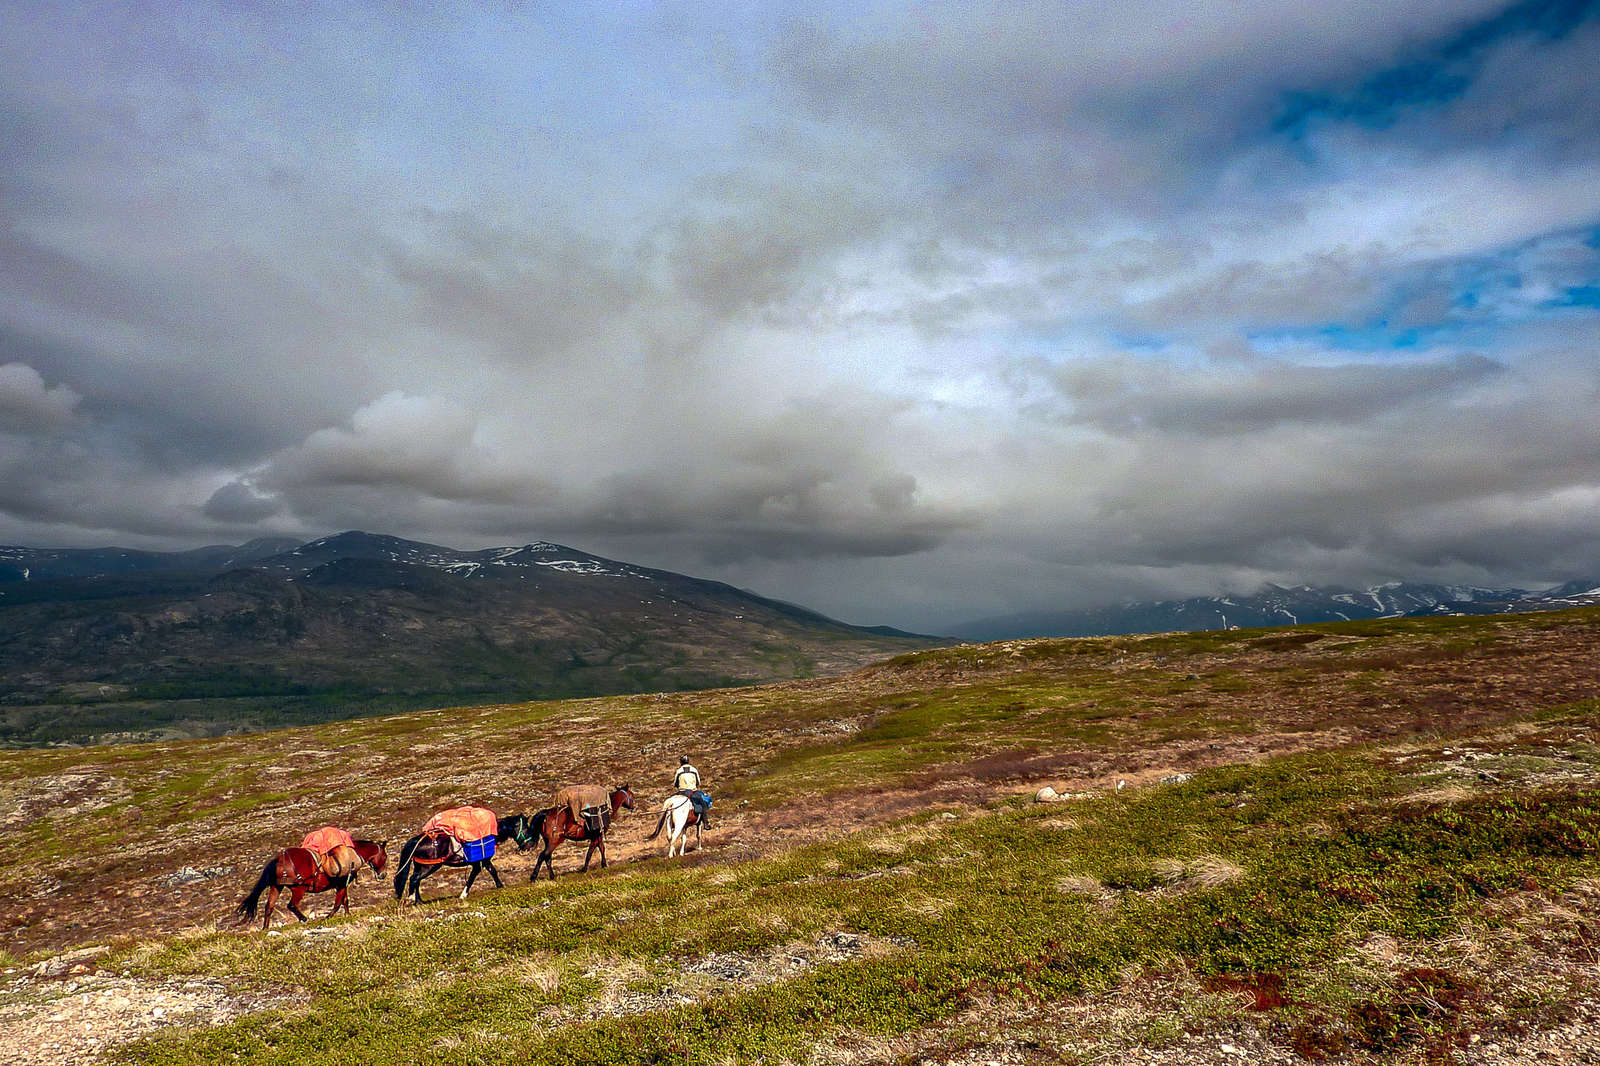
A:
[(488, 864), (602, 843), (272, 897), (588, 856), (414, 889), (341, 897), (296, 894), (472, 875), (675, 831)]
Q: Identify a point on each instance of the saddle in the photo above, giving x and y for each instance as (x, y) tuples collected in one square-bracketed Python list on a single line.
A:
[(581, 798), (340, 863), (451, 851), (699, 805), (335, 852), (596, 820), (464, 826)]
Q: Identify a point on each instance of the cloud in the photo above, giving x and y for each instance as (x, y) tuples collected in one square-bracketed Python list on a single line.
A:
[(238, 503), (814, 479), (951, 304), (1130, 397), (419, 444), (27, 405)]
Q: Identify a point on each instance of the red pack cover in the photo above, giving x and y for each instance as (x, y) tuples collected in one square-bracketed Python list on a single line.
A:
[(464, 823), (326, 839)]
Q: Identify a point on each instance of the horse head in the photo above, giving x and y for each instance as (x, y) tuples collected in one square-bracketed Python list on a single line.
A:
[(622, 798), (519, 828), (375, 853)]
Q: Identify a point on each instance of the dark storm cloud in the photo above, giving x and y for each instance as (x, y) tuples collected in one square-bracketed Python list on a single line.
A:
[(28, 405), (1129, 397), (235, 503)]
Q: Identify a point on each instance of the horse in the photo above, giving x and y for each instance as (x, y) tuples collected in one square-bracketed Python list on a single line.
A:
[(678, 814), (427, 852), (301, 870), (557, 825)]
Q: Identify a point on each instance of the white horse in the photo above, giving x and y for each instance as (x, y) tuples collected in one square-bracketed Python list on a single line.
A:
[(677, 815)]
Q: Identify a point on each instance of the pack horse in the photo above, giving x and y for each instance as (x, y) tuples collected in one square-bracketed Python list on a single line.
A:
[(327, 858), (578, 812), (461, 836)]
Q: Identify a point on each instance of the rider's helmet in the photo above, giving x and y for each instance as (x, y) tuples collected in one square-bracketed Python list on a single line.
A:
[(683, 760)]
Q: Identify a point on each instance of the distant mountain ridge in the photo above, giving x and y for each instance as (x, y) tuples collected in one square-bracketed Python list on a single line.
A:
[(1276, 605), (94, 641), (48, 564)]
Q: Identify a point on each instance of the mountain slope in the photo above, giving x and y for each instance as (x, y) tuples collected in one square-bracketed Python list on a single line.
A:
[(1275, 605), (359, 623), (1379, 836)]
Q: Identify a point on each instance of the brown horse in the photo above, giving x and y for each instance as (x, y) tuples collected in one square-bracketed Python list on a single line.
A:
[(559, 824), (301, 870)]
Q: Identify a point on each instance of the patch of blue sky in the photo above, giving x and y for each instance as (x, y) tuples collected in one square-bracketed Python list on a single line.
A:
[(1141, 342), (1371, 338), (1468, 300), (1430, 76), (1581, 296)]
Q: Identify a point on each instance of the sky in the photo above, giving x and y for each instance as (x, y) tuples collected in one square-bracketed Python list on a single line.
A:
[(912, 313)]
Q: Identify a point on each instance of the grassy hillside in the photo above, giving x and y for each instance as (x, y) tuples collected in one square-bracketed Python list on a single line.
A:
[(1364, 840)]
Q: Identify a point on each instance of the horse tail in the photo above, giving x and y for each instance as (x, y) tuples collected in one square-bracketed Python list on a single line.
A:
[(659, 824), (248, 907), (404, 866)]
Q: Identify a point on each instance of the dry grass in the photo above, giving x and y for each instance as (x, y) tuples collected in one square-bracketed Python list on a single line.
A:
[(1204, 872)]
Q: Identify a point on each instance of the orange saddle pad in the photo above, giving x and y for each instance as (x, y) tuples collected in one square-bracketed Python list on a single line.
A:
[(326, 839), (464, 823)]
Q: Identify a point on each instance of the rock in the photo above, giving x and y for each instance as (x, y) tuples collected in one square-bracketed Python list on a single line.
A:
[(68, 962), (1175, 779), (1047, 795), (188, 875)]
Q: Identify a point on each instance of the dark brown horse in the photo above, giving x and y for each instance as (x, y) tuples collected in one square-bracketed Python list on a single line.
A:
[(427, 852), (558, 824), (301, 870)]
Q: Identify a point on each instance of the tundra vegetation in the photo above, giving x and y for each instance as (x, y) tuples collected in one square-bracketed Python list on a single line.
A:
[(1375, 840)]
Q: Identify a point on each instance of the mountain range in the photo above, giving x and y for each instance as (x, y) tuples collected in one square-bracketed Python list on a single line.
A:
[(1275, 605), (105, 643)]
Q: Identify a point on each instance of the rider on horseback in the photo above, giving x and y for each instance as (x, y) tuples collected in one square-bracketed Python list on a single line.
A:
[(687, 782)]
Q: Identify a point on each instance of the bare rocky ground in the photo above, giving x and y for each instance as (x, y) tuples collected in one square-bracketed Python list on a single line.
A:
[(190, 874), (67, 1010)]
